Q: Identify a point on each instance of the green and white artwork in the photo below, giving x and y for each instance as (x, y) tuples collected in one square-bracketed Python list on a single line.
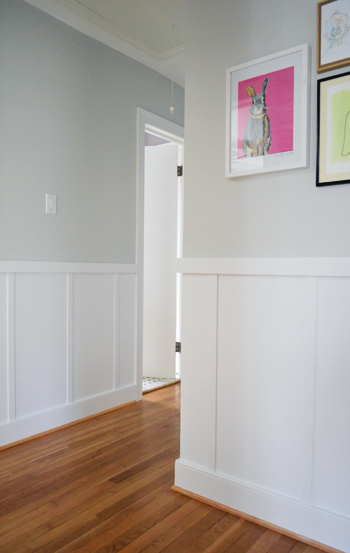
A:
[(338, 129), (333, 154)]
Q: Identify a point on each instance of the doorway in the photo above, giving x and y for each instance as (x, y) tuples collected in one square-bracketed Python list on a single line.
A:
[(161, 284), (160, 196)]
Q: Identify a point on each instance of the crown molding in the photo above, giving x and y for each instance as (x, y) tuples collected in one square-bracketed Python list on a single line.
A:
[(173, 51), (168, 62)]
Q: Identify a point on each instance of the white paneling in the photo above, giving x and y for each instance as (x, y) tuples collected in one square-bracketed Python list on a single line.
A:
[(260, 381), (332, 434), (59, 343), (40, 342), (127, 330), (3, 350), (24, 428), (199, 373), (94, 337), (300, 519), (266, 391)]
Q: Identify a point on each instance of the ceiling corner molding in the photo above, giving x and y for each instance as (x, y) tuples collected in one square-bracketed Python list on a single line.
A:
[(173, 51), (107, 26), (96, 27)]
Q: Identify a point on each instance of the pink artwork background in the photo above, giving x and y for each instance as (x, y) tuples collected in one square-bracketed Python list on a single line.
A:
[(279, 100)]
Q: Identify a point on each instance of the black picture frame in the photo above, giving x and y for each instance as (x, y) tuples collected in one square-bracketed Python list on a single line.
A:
[(333, 130)]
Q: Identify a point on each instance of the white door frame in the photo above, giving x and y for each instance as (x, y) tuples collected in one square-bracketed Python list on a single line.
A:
[(171, 131)]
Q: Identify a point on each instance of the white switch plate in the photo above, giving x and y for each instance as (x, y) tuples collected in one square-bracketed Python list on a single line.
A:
[(51, 204)]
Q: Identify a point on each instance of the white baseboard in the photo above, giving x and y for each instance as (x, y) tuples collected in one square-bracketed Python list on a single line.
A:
[(42, 422), (302, 520)]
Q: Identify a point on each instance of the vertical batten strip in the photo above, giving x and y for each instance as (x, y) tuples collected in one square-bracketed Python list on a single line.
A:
[(11, 356), (314, 388), (116, 381), (212, 336), (309, 369), (70, 338)]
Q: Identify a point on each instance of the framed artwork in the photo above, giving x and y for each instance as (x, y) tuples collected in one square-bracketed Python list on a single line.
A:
[(333, 148), (333, 36), (267, 104)]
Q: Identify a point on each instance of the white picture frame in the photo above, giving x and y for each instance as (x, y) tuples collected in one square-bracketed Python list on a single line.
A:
[(267, 110)]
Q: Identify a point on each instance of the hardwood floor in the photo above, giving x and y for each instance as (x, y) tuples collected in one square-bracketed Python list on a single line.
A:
[(103, 486)]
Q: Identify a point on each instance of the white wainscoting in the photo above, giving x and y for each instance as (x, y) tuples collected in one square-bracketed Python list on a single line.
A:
[(67, 343), (265, 412)]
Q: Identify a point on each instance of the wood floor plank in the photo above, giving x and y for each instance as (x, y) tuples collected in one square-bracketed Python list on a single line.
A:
[(106, 530), (104, 485), (88, 458), (38, 489), (117, 540), (265, 542), (172, 534), (186, 540), (228, 537), (97, 534), (63, 519), (59, 514), (283, 545), (299, 548), (39, 517), (214, 534), (246, 540), (167, 530)]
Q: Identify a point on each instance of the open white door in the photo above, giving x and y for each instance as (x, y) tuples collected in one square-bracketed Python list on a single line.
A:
[(152, 343), (160, 252)]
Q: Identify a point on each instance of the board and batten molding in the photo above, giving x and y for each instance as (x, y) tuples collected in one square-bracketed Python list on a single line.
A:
[(265, 358), (67, 343)]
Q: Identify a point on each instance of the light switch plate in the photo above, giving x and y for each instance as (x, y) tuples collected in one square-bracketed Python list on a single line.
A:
[(51, 204)]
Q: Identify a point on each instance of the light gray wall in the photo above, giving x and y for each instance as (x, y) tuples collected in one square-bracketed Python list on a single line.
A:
[(68, 127), (277, 215)]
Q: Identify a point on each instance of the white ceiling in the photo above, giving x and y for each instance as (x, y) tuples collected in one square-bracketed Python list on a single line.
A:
[(150, 31)]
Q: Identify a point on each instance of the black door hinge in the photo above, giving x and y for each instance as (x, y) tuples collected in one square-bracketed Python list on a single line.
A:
[(180, 170), (177, 347)]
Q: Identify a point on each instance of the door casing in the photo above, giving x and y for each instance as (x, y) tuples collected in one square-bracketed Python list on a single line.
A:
[(147, 121)]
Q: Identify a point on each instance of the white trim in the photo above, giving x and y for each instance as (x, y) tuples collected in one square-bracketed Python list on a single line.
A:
[(308, 266), (65, 267), (11, 376), (163, 133), (324, 527), (309, 387), (169, 130), (48, 420), (74, 13), (172, 51), (70, 338), (94, 26), (116, 352), (211, 421)]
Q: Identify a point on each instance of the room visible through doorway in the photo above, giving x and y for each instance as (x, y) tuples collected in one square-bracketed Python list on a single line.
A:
[(162, 245)]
